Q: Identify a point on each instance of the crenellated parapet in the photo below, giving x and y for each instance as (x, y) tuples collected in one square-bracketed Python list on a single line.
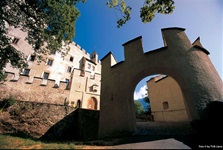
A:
[(174, 39), (31, 80), (34, 89), (84, 52)]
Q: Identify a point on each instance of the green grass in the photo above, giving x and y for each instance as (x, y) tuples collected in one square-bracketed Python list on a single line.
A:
[(12, 142)]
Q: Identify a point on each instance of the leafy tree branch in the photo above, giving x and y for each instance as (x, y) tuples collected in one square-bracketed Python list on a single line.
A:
[(50, 25), (147, 11)]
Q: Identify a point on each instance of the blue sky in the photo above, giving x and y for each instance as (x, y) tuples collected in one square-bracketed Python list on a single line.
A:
[(96, 28)]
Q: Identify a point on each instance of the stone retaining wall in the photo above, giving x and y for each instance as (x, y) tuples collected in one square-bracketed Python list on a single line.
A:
[(49, 122)]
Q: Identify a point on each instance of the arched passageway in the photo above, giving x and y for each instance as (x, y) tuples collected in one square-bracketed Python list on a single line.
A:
[(166, 99), (187, 63), (159, 98)]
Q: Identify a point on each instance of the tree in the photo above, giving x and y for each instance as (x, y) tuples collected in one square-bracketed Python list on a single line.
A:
[(50, 24), (147, 11), (138, 108), (146, 99)]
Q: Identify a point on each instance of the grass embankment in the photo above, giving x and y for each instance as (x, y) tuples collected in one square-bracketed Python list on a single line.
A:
[(12, 142)]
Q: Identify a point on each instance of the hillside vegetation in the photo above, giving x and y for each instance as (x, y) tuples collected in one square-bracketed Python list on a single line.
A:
[(12, 142)]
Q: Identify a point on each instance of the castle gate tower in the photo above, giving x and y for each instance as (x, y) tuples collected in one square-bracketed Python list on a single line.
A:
[(189, 64)]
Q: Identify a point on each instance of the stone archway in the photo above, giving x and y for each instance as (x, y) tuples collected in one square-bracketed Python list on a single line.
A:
[(187, 63), (92, 103)]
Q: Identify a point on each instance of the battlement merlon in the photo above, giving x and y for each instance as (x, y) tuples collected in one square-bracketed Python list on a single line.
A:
[(175, 37), (108, 60), (133, 48)]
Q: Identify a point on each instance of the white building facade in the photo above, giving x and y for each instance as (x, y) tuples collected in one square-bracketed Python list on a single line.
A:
[(78, 69)]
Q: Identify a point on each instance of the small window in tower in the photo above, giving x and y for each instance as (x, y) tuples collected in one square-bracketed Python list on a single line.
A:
[(32, 58), (71, 58), (89, 66), (93, 68), (50, 62), (165, 105), (15, 41), (69, 69)]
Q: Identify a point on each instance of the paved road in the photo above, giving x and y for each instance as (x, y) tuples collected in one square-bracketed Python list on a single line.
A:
[(163, 128), (161, 135), (157, 144), (154, 135)]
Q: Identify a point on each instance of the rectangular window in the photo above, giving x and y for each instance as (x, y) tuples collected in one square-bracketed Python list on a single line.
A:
[(71, 58), (165, 105), (45, 75), (32, 58), (15, 41), (68, 69), (67, 84), (89, 66), (95, 88), (26, 72), (67, 81), (93, 68), (50, 62)]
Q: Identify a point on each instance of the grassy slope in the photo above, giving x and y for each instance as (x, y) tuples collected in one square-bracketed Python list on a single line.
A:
[(11, 142)]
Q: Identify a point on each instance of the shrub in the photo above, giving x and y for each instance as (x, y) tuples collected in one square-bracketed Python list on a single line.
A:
[(7, 102)]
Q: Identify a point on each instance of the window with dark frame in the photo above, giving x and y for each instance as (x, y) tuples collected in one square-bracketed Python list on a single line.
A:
[(26, 72), (15, 41), (67, 81), (69, 69), (165, 105), (67, 84), (50, 62), (45, 75), (32, 58), (71, 58), (89, 66)]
